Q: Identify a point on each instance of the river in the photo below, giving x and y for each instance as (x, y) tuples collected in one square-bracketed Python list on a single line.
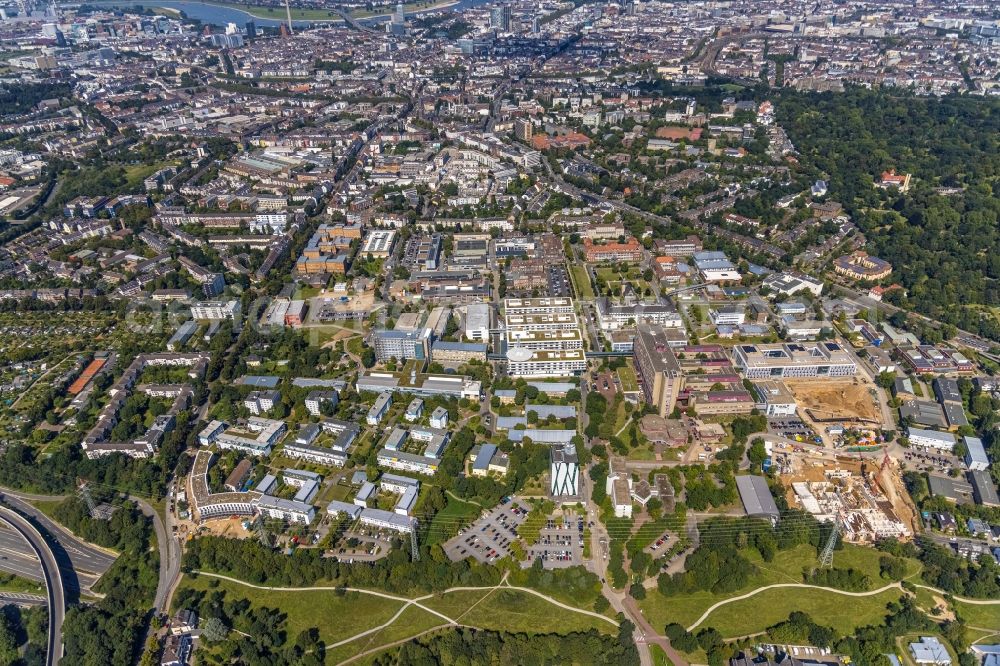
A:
[(207, 12)]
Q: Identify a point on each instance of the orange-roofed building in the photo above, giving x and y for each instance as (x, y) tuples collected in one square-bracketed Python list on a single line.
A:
[(892, 179)]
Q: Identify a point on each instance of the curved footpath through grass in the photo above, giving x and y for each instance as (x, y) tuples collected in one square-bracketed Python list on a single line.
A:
[(480, 611), (869, 593)]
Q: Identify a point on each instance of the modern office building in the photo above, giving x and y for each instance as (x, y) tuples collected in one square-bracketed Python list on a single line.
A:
[(500, 17), (571, 338), (546, 305), (794, 360), (522, 362), (378, 243), (478, 322), (942, 441), (659, 374), (774, 400), (564, 471), (611, 317), (402, 345)]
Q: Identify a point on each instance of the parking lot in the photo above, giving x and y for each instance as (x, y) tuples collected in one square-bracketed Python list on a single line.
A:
[(929, 460), (489, 538), (560, 544), (558, 281), (791, 427), (662, 544), (606, 383)]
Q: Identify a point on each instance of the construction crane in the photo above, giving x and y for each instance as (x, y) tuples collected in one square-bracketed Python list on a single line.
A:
[(288, 12)]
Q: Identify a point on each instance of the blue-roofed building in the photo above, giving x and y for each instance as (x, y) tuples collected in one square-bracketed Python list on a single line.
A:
[(486, 459), (975, 454), (542, 436), (554, 388), (365, 493), (509, 422), (337, 507), (506, 395), (267, 484), (259, 381), (558, 411)]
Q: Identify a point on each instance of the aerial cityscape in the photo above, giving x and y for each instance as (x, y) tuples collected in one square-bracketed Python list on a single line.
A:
[(498, 332)]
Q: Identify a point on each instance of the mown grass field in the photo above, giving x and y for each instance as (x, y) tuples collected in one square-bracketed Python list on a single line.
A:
[(786, 567), (757, 613), (336, 616)]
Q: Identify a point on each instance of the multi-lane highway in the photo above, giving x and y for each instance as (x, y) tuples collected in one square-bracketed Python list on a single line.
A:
[(82, 564), (86, 563), (17, 557), (52, 576)]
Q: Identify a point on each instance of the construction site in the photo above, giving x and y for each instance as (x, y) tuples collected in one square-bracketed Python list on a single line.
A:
[(845, 402), (866, 498)]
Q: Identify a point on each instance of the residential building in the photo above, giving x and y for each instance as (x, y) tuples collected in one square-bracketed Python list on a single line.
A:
[(414, 410), (439, 418), (216, 310), (315, 399), (860, 266), (257, 437), (378, 410), (487, 458), (291, 511), (261, 402)]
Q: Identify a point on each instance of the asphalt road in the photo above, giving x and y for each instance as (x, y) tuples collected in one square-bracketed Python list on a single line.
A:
[(81, 563), (170, 556), (17, 557), (53, 580), (21, 599)]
